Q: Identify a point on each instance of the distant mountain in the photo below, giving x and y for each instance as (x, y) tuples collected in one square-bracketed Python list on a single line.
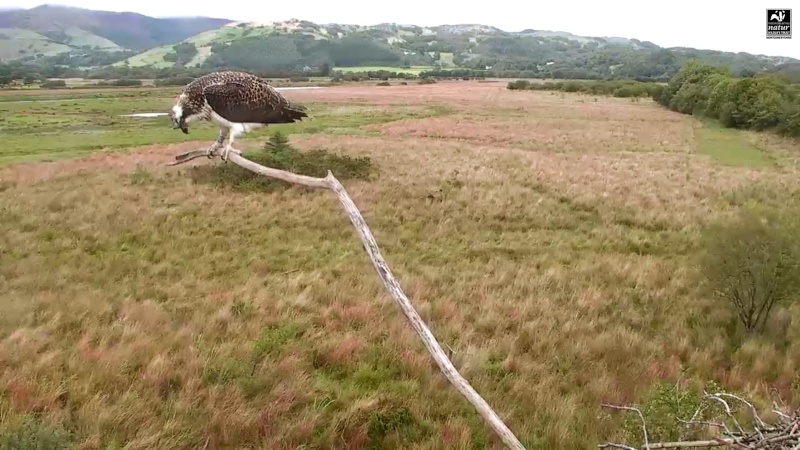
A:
[(78, 39), (298, 44), (51, 30)]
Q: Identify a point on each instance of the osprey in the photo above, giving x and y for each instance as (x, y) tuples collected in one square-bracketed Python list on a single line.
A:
[(237, 102)]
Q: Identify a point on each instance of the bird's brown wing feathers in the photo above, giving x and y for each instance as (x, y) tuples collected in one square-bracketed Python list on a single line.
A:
[(237, 102)]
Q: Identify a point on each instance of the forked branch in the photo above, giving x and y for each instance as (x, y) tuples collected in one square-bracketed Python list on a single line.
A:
[(384, 273), (783, 435)]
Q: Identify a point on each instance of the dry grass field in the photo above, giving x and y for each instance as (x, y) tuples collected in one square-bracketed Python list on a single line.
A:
[(548, 240)]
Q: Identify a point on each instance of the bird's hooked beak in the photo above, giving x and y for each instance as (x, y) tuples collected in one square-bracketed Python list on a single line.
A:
[(180, 123), (178, 120)]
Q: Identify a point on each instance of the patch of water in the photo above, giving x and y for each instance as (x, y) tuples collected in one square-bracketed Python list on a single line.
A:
[(296, 88), (150, 114)]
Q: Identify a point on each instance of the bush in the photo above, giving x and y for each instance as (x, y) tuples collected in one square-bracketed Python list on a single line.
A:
[(173, 81), (621, 89), (277, 153), (122, 82), (35, 433), (663, 406), (53, 84), (759, 102), (519, 85), (667, 407), (753, 262)]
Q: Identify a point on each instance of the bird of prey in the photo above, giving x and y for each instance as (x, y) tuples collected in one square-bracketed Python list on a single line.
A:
[(237, 102)]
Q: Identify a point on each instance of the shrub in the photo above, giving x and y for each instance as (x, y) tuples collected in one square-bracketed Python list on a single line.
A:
[(53, 84), (753, 262), (622, 89), (666, 407), (35, 433), (125, 82), (571, 86), (518, 85), (277, 153), (759, 102), (173, 81), (663, 406), (791, 124)]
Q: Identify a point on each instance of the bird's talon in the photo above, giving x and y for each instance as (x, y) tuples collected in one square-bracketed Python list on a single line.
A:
[(224, 154)]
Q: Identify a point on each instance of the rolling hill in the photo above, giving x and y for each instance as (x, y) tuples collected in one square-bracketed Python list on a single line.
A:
[(447, 45), (134, 45), (302, 45), (50, 30)]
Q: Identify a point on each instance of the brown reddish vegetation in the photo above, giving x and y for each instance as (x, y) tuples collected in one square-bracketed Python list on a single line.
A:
[(548, 242)]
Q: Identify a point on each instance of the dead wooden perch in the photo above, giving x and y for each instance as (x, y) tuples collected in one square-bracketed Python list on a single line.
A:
[(392, 286)]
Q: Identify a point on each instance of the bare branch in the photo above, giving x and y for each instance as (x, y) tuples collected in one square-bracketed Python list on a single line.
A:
[(641, 417), (188, 156), (708, 423), (781, 415), (760, 424), (727, 410), (782, 436), (700, 409), (384, 273), (613, 445)]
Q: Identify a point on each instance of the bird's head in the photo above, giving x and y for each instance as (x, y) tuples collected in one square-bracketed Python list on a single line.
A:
[(179, 114)]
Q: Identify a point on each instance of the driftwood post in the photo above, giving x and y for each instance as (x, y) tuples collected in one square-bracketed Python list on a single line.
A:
[(385, 274)]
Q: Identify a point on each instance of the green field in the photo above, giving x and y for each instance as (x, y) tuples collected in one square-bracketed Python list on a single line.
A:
[(36, 129), (727, 146), (550, 242)]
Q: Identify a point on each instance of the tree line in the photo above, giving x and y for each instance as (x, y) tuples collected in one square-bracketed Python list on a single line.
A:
[(754, 102), (500, 56)]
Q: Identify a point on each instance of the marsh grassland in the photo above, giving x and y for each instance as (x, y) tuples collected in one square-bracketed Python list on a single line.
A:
[(549, 241)]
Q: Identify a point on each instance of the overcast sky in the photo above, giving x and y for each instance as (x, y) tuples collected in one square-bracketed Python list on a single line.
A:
[(733, 25)]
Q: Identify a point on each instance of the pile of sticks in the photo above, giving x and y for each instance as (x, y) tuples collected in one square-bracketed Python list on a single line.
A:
[(783, 434)]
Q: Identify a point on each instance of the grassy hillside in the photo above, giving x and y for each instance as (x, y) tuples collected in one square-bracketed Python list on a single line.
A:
[(77, 37), (72, 29), (69, 41), (302, 45), (17, 43), (202, 41)]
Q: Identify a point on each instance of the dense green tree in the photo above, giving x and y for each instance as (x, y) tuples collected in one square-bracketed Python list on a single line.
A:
[(758, 102)]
